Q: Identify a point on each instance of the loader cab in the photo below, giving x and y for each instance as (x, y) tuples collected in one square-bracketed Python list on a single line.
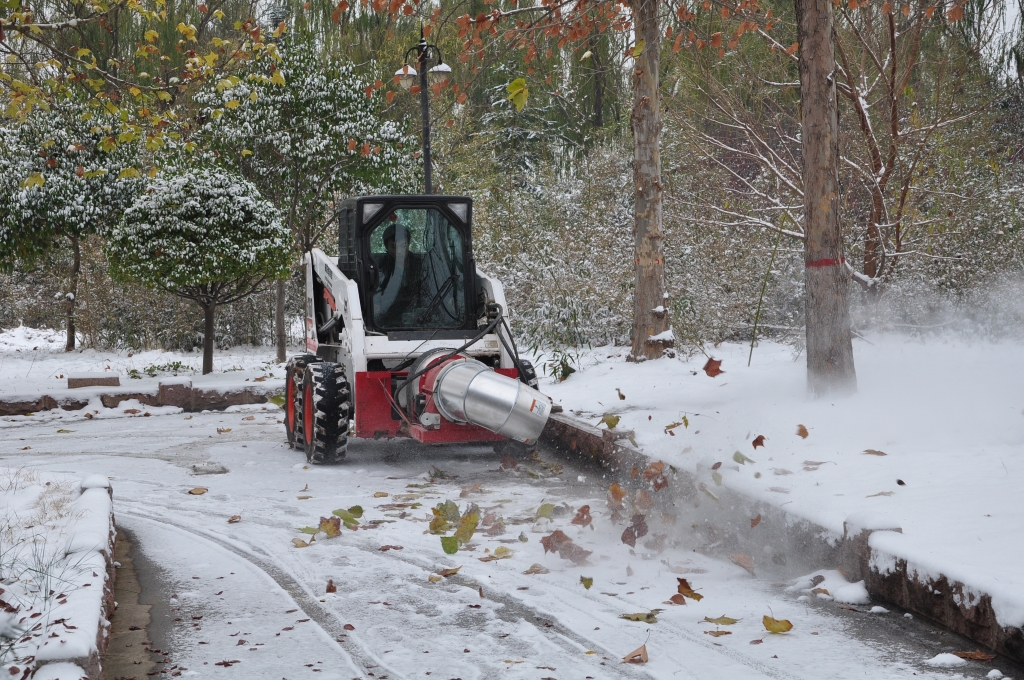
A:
[(412, 259)]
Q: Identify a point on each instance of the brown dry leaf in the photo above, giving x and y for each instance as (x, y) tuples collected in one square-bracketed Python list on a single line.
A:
[(131, 411), (716, 465), (433, 578), (655, 474), (615, 495), (198, 491), (713, 367), (469, 490), (331, 588), (643, 500), (637, 529), (758, 441), (677, 599), (349, 626), (755, 521), (741, 560), (331, 526), (802, 432), (234, 519), (449, 572), (721, 620), (686, 590), (299, 543), (260, 379), (638, 655), (756, 642), (380, 494), (976, 655), (509, 463), (249, 418), (717, 633), (537, 569), (223, 430), (820, 591), (642, 617), (385, 548), (776, 625), (583, 517), (559, 543), (875, 452), (955, 13)]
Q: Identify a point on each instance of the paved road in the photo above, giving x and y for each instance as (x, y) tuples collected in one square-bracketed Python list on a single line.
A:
[(240, 600)]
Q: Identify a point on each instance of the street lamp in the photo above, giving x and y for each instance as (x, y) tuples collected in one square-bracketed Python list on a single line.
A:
[(430, 64)]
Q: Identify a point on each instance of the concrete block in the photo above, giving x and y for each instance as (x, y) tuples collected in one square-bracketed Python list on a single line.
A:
[(177, 392), (76, 380)]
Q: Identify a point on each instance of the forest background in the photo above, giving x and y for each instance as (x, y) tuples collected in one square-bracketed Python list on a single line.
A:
[(931, 119)]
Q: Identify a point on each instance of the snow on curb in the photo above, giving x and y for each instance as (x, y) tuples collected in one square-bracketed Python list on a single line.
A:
[(864, 552), (58, 574)]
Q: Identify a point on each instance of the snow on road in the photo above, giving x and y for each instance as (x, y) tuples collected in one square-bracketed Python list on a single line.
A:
[(263, 602)]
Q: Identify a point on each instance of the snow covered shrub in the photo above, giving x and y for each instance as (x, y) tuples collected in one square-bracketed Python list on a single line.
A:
[(203, 235)]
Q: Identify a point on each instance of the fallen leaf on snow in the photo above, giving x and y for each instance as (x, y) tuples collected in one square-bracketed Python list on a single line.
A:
[(537, 569), (385, 548), (976, 655), (472, 489), (875, 452), (234, 519), (801, 431), (331, 526), (622, 396), (349, 626), (500, 553), (638, 655), (558, 542), (131, 411), (755, 521), (741, 459), (721, 621), (249, 418), (713, 367), (223, 430), (708, 491), (686, 590), (433, 578), (449, 572), (880, 493), (64, 431), (741, 560), (716, 465), (756, 642), (642, 617), (776, 625), (615, 495), (299, 543), (331, 588), (198, 491), (545, 510), (586, 581), (677, 599), (758, 441), (717, 633), (380, 494)]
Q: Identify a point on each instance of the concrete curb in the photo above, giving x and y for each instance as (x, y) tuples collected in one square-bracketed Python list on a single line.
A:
[(174, 392), (947, 602)]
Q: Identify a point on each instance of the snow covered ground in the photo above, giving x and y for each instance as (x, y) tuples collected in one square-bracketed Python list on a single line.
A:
[(55, 534), (243, 599), (932, 442)]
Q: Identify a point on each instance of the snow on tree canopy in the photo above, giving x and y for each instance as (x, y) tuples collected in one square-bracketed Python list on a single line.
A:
[(196, 228), (65, 172)]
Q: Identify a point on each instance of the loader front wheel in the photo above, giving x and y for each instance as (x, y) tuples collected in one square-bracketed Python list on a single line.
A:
[(294, 373), (325, 412)]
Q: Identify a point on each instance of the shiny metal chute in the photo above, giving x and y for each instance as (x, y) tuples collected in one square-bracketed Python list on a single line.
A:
[(467, 391)]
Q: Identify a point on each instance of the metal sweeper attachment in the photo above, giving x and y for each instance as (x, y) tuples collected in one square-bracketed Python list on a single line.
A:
[(405, 337)]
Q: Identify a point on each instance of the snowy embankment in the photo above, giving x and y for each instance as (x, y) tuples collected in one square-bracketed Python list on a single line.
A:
[(56, 574), (932, 443), (34, 370)]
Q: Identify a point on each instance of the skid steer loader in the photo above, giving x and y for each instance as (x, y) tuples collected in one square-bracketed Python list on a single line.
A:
[(405, 338)]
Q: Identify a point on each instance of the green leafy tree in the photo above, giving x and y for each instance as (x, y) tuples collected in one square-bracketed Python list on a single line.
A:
[(66, 172), (306, 131), (203, 235)]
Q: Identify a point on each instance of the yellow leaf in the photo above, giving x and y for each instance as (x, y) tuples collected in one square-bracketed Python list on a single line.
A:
[(777, 625), (246, 152), (129, 173), (253, 96), (164, 96), (433, 578), (721, 621), (587, 581), (330, 526), (136, 92), (151, 36), (233, 104), (638, 49), (299, 543), (642, 617), (218, 14), (277, 78), (35, 180), (198, 491), (610, 420), (380, 494), (82, 52)]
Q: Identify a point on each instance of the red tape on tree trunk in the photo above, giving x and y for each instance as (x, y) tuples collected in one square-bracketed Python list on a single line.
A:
[(825, 263)]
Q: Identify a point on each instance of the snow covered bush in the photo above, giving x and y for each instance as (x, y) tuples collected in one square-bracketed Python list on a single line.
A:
[(203, 235)]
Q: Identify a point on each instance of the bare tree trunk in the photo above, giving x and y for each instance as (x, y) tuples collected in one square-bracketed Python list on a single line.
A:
[(71, 297), (208, 331), (599, 76), (650, 317), (282, 337), (826, 280)]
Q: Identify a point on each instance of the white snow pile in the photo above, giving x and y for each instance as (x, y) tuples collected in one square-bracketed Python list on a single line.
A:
[(55, 534), (830, 584), (927, 454), (25, 339), (945, 660)]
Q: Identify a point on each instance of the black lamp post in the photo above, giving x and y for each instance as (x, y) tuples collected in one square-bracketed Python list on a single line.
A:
[(430, 62)]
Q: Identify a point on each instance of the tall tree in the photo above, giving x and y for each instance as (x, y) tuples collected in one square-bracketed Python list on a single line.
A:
[(66, 172), (826, 279), (203, 235), (306, 130)]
